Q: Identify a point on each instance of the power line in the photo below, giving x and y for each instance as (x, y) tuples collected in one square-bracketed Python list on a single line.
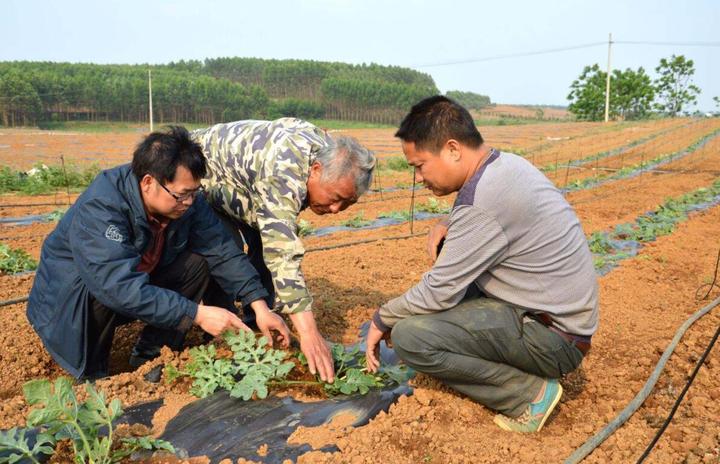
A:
[(676, 44), (564, 49), (512, 55)]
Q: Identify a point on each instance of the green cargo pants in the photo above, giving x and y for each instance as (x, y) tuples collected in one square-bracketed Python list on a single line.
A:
[(488, 350)]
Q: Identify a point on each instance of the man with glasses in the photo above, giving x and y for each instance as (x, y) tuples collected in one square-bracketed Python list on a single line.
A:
[(261, 175), (141, 243)]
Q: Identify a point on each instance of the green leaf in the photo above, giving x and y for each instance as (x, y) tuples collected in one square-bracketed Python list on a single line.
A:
[(172, 373), (37, 391), (43, 416), (284, 369), (248, 385)]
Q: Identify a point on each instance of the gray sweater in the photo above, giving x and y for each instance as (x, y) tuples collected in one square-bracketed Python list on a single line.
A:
[(513, 234)]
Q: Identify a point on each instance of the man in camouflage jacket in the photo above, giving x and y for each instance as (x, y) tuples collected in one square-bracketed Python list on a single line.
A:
[(261, 175)]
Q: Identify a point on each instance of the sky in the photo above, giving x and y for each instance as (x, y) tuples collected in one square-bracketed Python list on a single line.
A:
[(414, 33)]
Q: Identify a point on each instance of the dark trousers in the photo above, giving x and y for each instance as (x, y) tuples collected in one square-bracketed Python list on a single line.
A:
[(243, 234), (187, 275), (486, 349)]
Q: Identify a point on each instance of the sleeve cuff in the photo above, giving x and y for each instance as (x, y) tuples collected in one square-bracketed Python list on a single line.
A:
[(255, 295), (188, 319), (377, 320)]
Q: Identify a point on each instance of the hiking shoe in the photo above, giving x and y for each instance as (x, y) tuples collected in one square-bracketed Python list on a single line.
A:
[(534, 417)]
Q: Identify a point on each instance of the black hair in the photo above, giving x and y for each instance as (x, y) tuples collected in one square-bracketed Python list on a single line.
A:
[(160, 153), (435, 120)]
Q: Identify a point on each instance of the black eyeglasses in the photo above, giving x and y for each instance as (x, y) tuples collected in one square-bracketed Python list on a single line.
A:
[(184, 196)]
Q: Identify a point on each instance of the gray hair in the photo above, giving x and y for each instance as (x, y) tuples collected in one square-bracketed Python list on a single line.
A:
[(344, 156)]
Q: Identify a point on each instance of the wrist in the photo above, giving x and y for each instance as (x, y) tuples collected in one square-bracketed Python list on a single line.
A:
[(199, 314), (379, 324), (259, 307), (304, 323)]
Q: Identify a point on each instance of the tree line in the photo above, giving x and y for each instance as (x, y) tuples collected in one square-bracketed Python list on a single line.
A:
[(633, 93), (209, 91)]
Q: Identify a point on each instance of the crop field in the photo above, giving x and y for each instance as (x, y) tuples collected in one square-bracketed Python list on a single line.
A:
[(612, 174)]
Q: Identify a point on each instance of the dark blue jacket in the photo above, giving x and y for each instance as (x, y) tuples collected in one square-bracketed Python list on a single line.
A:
[(95, 250)]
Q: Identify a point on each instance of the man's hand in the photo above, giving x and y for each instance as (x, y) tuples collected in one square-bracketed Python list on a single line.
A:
[(215, 320), (268, 322), (314, 346), (372, 350), (435, 235)]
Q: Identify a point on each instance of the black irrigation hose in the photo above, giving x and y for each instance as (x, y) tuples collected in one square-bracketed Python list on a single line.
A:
[(396, 197), (362, 242), (699, 364), (712, 284), (14, 301), (597, 439), (22, 205)]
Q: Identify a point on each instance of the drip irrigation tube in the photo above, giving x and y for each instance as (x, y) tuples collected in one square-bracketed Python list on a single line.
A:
[(14, 301), (583, 451), (679, 399), (21, 205), (361, 242)]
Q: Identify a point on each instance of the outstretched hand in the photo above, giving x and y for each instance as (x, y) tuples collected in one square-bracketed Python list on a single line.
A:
[(372, 349), (215, 320)]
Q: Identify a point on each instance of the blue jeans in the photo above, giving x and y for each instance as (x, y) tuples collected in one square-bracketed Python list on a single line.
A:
[(488, 350)]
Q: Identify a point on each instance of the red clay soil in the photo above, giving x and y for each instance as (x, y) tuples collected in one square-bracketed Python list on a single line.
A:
[(591, 143), (667, 144), (643, 302)]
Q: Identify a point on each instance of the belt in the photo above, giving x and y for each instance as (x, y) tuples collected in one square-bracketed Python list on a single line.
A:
[(581, 342)]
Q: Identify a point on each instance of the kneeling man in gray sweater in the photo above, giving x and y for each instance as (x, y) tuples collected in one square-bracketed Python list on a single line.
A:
[(511, 303)]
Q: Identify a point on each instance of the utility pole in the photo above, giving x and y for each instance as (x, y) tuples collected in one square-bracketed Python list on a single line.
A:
[(150, 99), (607, 83)]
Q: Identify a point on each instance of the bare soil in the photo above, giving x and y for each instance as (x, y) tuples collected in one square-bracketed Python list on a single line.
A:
[(643, 302)]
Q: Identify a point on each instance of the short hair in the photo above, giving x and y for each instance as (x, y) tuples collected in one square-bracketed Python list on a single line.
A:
[(344, 156), (435, 120), (160, 153)]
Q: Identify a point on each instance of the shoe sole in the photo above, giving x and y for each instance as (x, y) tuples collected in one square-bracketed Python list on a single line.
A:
[(554, 403)]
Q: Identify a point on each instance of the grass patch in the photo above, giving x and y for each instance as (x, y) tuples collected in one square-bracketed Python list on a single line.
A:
[(338, 124), (397, 215), (396, 163), (650, 226), (434, 206), (511, 121), (356, 221), (46, 179), (111, 126), (13, 261), (305, 228), (116, 126)]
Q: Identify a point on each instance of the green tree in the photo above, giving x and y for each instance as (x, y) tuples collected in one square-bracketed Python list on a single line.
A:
[(19, 101), (631, 94), (587, 94), (674, 85), (470, 100)]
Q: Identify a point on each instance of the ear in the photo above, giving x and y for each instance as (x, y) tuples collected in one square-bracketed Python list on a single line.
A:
[(453, 146), (316, 170), (146, 182)]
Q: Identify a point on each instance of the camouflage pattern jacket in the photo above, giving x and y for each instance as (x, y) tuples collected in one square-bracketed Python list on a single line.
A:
[(258, 173)]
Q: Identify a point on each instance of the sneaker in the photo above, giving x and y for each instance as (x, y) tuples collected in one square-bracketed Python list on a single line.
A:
[(534, 417)]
